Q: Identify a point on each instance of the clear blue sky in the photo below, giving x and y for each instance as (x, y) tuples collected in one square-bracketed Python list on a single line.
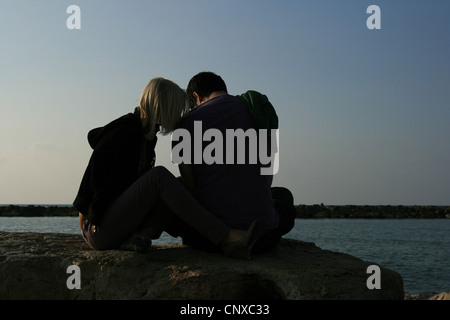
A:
[(364, 114)]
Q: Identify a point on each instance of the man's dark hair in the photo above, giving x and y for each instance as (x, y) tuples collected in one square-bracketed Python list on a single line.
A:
[(204, 84)]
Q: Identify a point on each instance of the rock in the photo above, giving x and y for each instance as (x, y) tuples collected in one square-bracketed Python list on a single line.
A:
[(428, 296), (441, 296), (35, 265)]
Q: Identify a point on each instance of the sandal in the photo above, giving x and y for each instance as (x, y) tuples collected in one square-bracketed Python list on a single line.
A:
[(136, 243), (242, 248)]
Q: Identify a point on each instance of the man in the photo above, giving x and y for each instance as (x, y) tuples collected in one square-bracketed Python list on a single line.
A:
[(229, 182)]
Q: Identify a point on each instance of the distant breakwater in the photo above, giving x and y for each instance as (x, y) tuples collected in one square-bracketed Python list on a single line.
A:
[(372, 212), (316, 211), (38, 211)]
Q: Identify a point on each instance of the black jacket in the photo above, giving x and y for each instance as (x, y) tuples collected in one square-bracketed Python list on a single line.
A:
[(121, 154)]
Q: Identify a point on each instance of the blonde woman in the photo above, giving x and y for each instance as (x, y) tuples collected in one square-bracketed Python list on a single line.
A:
[(124, 201)]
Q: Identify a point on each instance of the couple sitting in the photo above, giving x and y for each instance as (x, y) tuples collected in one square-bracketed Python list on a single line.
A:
[(125, 201)]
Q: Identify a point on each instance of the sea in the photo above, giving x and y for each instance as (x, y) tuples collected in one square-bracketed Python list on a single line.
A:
[(418, 249)]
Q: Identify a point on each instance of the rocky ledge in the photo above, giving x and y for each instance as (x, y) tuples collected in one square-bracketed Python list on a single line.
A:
[(429, 296), (40, 266)]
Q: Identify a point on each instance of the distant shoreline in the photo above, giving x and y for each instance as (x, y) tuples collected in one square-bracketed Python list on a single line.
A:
[(37, 211), (372, 212), (316, 211)]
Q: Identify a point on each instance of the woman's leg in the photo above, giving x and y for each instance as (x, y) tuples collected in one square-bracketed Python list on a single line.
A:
[(132, 207)]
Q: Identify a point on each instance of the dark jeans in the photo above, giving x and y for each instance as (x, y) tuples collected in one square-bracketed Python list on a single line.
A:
[(284, 205), (152, 202)]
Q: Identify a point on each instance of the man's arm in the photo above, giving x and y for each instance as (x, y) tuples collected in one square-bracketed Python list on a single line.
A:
[(270, 179)]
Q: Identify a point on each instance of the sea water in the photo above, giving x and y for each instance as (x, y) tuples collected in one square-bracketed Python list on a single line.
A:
[(417, 249)]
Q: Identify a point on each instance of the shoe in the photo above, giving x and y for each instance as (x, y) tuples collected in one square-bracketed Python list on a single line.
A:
[(137, 243), (242, 248)]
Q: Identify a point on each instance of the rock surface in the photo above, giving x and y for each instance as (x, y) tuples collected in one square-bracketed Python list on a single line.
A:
[(428, 296), (34, 266)]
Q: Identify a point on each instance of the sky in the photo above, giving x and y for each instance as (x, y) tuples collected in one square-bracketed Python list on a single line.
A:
[(364, 113)]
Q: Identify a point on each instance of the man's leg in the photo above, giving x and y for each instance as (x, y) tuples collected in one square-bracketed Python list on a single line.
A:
[(284, 205)]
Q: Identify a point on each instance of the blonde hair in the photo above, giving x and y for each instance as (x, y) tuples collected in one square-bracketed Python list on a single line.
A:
[(162, 103)]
